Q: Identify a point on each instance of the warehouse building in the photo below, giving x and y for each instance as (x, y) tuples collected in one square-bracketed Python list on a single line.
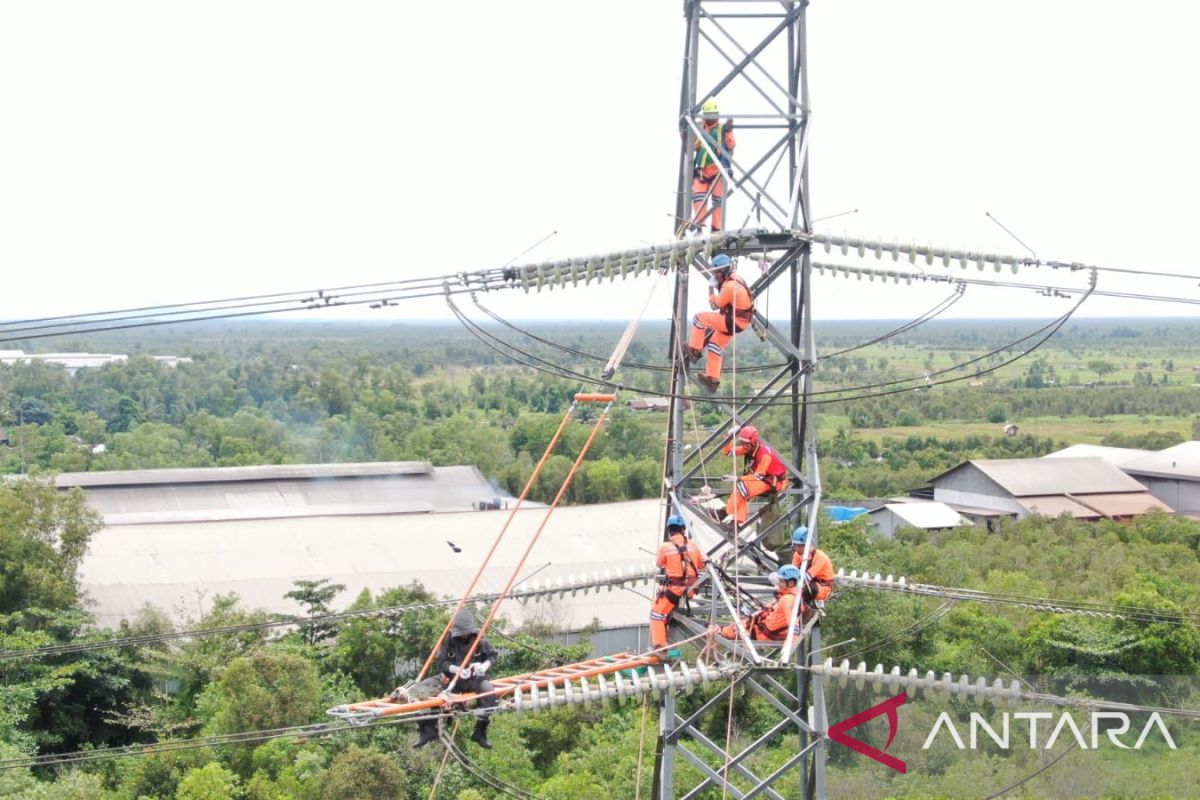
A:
[(1084, 488)]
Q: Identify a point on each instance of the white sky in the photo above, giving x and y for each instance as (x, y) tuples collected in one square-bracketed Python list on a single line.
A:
[(163, 151)]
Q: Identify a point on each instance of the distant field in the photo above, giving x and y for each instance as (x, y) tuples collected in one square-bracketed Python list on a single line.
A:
[(1077, 430)]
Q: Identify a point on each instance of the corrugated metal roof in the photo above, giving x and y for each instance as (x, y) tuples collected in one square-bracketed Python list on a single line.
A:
[(1180, 461), (139, 477), (1113, 455), (1126, 505), (1026, 477), (1056, 505), (924, 515), (180, 567), (1095, 506), (277, 492)]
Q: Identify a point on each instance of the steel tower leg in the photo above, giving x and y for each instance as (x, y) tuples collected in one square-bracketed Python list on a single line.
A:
[(754, 57)]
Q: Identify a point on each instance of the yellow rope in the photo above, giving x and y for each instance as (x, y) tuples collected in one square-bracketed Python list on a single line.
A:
[(437, 779)]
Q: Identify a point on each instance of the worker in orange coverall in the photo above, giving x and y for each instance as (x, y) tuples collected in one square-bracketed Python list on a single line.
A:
[(680, 562), (708, 184), (765, 473), (712, 330), (770, 623), (819, 577)]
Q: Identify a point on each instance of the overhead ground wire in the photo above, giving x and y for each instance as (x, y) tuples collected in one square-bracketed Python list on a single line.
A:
[(528, 360)]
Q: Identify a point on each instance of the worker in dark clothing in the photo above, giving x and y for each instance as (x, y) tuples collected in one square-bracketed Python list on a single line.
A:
[(471, 678)]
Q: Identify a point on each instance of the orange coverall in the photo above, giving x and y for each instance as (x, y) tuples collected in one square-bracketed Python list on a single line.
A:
[(706, 176), (682, 561), (820, 569), (770, 623), (766, 474), (712, 330)]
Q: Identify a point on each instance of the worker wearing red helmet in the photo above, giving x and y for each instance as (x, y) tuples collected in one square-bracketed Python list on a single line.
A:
[(680, 563), (765, 472), (770, 623), (712, 330), (714, 146)]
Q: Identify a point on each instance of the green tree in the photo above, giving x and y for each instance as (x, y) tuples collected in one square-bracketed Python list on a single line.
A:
[(315, 596), (1101, 367), (210, 782), (261, 691), (265, 690), (361, 774), (72, 786), (368, 650), (44, 534)]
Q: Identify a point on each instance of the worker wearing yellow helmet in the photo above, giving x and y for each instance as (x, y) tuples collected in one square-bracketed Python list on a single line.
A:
[(708, 184)]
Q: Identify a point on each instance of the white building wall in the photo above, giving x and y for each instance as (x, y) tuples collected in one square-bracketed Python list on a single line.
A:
[(958, 497), (885, 522)]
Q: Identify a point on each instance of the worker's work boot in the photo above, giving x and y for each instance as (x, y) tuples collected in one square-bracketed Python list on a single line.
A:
[(479, 737), (693, 355), (711, 384), (429, 733)]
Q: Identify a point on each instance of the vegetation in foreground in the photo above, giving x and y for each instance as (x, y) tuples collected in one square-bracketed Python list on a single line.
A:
[(254, 681), (284, 394)]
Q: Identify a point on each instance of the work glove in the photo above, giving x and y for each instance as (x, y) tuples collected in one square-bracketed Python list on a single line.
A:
[(481, 668), (454, 669), (467, 673), (712, 284)]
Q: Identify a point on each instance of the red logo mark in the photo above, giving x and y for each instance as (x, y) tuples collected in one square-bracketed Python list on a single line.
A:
[(838, 732)]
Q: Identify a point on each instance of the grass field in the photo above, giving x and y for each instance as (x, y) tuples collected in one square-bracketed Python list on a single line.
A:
[(1075, 430)]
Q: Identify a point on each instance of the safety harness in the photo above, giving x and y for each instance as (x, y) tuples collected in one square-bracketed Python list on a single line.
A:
[(758, 623), (776, 471), (715, 137), (743, 315)]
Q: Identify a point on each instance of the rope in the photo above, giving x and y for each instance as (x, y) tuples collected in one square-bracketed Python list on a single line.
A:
[(737, 573), (496, 543), (437, 778), (529, 548), (637, 786)]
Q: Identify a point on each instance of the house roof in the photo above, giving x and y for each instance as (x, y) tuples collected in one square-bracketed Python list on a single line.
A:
[(1113, 455), (136, 477), (276, 492), (1126, 504), (178, 567), (1025, 477), (1180, 461), (924, 515)]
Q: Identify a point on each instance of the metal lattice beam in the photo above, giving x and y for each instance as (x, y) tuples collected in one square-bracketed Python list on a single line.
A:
[(758, 68)]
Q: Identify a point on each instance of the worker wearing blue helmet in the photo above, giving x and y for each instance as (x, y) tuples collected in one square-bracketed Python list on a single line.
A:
[(818, 584), (680, 563), (770, 623), (712, 330)]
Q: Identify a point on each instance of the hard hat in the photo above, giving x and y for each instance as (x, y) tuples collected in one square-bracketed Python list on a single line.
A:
[(676, 521), (789, 572), (800, 535), (748, 433), (722, 261), (710, 108)]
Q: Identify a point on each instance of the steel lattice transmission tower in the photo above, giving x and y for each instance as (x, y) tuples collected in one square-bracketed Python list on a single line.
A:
[(751, 55)]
